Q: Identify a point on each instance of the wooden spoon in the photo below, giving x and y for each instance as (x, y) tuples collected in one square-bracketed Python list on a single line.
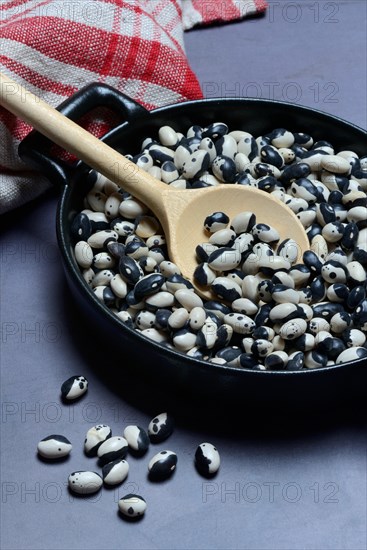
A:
[(180, 212)]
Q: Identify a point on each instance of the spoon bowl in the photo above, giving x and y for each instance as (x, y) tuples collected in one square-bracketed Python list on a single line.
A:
[(180, 213), (231, 199)]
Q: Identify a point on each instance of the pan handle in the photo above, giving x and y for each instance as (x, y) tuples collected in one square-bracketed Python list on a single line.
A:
[(36, 149)]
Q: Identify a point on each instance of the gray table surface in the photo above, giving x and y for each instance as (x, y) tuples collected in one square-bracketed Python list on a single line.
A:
[(282, 485)]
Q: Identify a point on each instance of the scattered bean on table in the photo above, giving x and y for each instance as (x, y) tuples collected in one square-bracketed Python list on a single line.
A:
[(111, 451), (207, 459), (132, 505), (54, 447), (74, 387)]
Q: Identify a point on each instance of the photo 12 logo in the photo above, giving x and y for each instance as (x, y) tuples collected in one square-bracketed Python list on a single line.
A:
[(313, 92), (30, 333), (39, 253), (269, 491), (319, 12), (53, 492), (83, 11), (51, 412)]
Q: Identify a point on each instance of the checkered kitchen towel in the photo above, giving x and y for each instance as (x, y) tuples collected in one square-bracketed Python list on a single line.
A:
[(55, 47)]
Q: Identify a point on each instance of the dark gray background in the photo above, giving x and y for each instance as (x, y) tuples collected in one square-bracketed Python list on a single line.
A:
[(289, 483)]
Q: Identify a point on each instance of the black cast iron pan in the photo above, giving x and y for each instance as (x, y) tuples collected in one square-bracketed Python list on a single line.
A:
[(209, 384)]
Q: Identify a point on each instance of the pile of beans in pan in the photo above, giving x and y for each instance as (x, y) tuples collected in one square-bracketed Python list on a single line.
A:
[(271, 311)]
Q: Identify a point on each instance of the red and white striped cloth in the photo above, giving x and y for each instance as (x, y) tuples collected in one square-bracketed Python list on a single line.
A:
[(55, 47), (204, 12)]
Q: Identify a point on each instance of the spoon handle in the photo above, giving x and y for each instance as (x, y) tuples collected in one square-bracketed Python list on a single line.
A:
[(72, 137)]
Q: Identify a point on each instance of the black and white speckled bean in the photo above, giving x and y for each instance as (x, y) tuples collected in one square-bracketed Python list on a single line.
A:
[(207, 459), (162, 465), (83, 254), (226, 289), (137, 438), (160, 427), (85, 482), (54, 447), (74, 387), (132, 506), (113, 448), (115, 472), (241, 324)]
